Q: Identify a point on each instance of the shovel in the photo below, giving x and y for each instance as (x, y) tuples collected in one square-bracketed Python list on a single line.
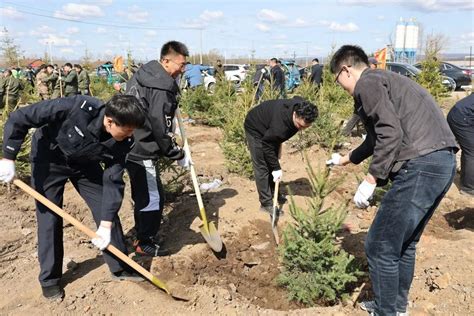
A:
[(276, 214), (86, 230), (208, 229)]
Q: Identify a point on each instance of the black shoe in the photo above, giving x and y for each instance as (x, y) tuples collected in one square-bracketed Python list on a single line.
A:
[(127, 276), (282, 199), (150, 249), (53, 292), (267, 209)]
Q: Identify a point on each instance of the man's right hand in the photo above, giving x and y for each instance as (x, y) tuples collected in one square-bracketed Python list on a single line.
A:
[(335, 160), (7, 170), (186, 161), (277, 175)]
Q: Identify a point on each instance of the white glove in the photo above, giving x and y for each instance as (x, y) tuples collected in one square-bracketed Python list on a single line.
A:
[(335, 159), (263, 70), (186, 161), (103, 237), (7, 170), (277, 175), (363, 194)]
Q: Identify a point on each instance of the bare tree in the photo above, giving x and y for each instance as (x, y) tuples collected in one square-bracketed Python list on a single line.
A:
[(10, 51)]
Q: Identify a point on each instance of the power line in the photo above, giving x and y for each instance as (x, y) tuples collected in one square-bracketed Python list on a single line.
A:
[(127, 26)]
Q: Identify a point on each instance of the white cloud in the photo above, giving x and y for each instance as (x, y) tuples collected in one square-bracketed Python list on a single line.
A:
[(101, 30), (43, 30), (57, 40), (134, 14), (11, 12), (380, 17), (267, 15), (211, 15), (67, 51), (193, 24), (262, 27), (108, 53), (299, 22), (77, 11), (151, 33), (101, 2), (72, 30), (468, 38), (280, 37), (338, 27)]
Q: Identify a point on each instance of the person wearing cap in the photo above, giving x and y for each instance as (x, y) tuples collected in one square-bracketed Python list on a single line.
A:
[(373, 63)]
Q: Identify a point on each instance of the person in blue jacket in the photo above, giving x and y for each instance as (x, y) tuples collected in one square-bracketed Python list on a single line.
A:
[(193, 74)]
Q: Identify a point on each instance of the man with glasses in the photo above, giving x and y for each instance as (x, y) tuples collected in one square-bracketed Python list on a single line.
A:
[(154, 84), (411, 144), (267, 126)]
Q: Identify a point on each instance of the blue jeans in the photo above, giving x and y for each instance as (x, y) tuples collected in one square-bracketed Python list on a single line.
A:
[(417, 189)]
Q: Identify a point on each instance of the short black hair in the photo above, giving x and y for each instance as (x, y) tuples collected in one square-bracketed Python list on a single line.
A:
[(8, 71), (77, 66), (306, 110), (50, 66), (351, 55), (173, 47), (67, 65), (274, 60), (316, 60), (125, 110)]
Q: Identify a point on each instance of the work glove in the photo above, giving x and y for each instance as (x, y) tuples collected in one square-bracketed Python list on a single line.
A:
[(263, 70), (186, 161), (103, 237), (363, 194), (7, 170), (335, 160), (277, 175)]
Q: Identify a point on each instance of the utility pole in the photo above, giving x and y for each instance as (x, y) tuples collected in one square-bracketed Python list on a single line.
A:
[(307, 54), (470, 56), (200, 45)]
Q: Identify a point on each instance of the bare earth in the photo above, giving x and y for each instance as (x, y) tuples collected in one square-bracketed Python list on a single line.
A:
[(240, 280)]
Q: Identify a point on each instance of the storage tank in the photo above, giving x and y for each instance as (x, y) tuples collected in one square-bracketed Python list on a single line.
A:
[(411, 36), (400, 35)]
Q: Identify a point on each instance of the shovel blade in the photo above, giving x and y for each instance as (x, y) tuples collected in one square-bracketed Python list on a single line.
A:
[(274, 217), (211, 236)]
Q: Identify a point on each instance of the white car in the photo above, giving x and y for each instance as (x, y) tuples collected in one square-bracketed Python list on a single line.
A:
[(209, 82), (235, 71)]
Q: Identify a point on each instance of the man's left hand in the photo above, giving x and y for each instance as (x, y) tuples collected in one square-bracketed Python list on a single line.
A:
[(364, 193)]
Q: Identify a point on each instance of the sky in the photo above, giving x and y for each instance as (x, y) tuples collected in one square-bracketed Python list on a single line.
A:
[(264, 29)]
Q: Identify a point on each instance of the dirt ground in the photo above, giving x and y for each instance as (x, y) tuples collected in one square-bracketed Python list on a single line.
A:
[(240, 280)]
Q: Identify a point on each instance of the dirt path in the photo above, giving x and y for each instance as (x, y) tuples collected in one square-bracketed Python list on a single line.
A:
[(242, 280)]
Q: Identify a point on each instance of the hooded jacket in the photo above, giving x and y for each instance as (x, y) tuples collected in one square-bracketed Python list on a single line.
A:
[(157, 92)]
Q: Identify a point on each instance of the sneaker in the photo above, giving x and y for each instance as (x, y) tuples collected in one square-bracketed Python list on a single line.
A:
[(53, 292), (127, 276), (369, 306), (150, 249)]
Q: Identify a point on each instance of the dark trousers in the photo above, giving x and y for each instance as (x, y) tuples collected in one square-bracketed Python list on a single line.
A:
[(462, 126), (406, 208), (148, 198), (261, 170), (49, 180)]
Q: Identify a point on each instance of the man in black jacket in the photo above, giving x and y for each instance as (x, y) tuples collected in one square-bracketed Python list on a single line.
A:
[(411, 144), (155, 86), (74, 136), (277, 77), (316, 73), (267, 126), (461, 121)]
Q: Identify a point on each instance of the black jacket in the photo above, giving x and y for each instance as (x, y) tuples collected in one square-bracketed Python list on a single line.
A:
[(157, 92), (402, 121), (277, 78), (70, 131), (272, 123), (316, 74)]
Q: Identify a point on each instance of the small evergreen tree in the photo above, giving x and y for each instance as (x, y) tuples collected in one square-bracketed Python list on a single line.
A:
[(315, 268)]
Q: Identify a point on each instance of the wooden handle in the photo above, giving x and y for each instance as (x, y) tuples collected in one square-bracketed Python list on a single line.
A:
[(86, 230), (193, 171), (275, 195)]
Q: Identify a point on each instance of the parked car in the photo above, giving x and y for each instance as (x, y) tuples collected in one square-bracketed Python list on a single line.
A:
[(462, 77), (233, 71), (209, 82), (412, 72)]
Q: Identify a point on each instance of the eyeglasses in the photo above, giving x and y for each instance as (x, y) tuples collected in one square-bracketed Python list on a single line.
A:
[(181, 65), (339, 73)]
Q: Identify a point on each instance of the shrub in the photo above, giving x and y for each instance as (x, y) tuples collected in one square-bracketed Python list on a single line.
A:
[(315, 268), (431, 79)]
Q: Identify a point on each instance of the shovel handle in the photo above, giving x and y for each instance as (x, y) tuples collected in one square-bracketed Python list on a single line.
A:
[(275, 195), (86, 230), (193, 171)]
